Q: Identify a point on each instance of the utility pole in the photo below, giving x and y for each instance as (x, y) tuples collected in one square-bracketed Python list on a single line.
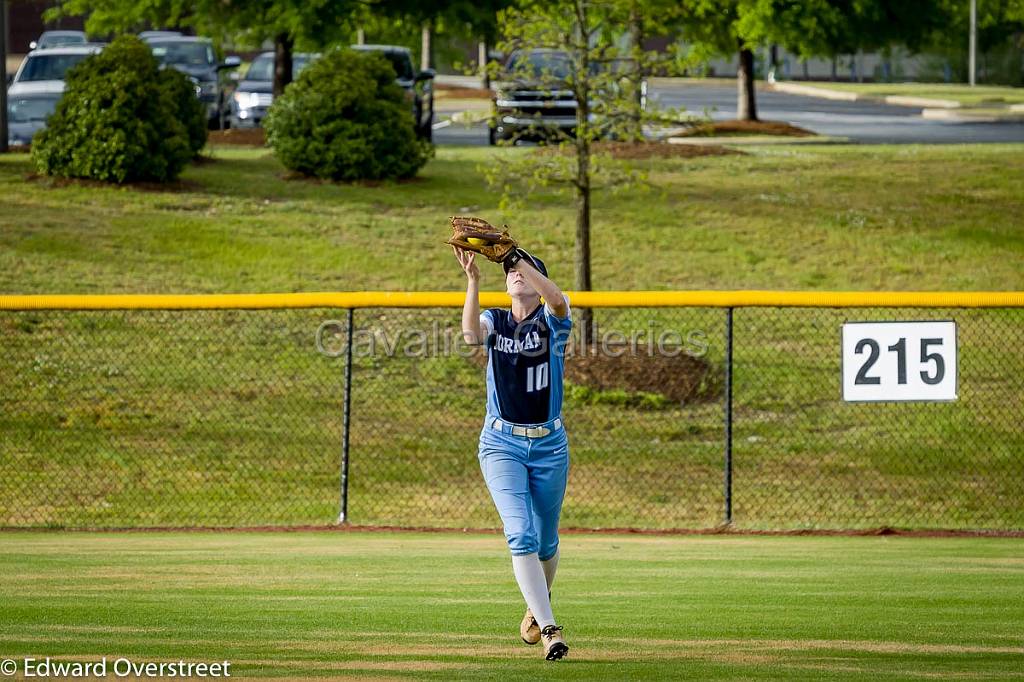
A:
[(973, 56), (426, 46), (3, 76), (481, 59)]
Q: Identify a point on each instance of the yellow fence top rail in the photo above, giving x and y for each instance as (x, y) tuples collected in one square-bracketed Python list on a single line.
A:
[(580, 299)]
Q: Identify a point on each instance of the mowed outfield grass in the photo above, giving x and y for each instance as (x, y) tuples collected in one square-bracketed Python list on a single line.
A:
[(445, 606)]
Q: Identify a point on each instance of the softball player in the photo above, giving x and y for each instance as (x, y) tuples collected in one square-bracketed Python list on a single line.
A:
[(523, 451)]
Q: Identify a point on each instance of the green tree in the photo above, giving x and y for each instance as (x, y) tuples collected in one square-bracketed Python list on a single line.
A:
[(826, 28), (581, 50), (713, 28), (1000, 38), (345, 118), (288, 23)]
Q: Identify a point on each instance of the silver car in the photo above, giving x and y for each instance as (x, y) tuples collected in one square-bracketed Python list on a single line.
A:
[(58, 39), (38, 86), (254, 93)]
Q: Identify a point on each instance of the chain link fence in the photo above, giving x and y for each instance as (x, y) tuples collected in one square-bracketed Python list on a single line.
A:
[(128, 418)]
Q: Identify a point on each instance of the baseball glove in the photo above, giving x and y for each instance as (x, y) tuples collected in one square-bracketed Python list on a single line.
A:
[(479, 236)]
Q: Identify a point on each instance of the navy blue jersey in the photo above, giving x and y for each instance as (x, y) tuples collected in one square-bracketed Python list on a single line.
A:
[(525, 363)]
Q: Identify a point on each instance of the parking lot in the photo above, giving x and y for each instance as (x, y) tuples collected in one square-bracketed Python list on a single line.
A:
[(859, 122)]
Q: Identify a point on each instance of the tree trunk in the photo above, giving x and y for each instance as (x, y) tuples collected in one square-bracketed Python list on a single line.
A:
[(746, 108), (426, 47), (360, 36), (582, 179), (835, 69), (3, 75), (583, 283), (283, 44), (807, 71), (481, 58), (635, 129)]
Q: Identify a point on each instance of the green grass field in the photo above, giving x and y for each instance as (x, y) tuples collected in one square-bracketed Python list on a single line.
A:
[(349, 606), (813, 218), (116, 419)]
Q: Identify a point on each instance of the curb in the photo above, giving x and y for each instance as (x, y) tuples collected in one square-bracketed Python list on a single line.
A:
[(967, 116), (896, 100), (923, 102), (811, 91)]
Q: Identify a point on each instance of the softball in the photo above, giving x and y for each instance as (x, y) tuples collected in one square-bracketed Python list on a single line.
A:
[(476, 241)]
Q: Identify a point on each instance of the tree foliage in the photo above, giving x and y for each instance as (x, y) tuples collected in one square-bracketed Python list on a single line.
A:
[(809, 28), (600, 69), (346, 119)]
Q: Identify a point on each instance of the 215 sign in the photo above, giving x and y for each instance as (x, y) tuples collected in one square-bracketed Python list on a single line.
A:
[(890, 361)]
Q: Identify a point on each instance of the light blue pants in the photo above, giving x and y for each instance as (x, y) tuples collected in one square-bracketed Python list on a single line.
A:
[(526, 477)]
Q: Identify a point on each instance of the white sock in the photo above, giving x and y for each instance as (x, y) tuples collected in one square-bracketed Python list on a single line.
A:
[(550, 566), (530, 576)]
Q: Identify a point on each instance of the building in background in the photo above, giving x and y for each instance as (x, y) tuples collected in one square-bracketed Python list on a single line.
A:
[(25, 23)]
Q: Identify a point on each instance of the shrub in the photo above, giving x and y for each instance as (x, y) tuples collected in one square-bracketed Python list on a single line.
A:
[(346, 119), (117, 120), (187, 107)]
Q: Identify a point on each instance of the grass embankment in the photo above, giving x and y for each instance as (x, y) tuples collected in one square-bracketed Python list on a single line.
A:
[(233, 418), (400, 606), (978, 96)]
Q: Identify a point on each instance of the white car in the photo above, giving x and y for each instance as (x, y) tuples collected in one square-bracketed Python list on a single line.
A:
[(58, 39), (37, 87)]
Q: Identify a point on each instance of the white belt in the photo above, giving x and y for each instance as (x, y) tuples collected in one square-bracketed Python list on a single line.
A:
[(528, 431)]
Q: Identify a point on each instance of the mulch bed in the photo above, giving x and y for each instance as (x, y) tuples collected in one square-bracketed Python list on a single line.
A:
[(250, 137), (681, 378), (747, 128), (646, 150), (455, 92)]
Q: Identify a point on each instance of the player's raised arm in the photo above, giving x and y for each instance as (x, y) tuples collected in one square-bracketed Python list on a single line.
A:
[(545, 287), (471, 331)]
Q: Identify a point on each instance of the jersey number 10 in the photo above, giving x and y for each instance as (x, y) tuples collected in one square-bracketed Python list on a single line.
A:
[(537, 378)]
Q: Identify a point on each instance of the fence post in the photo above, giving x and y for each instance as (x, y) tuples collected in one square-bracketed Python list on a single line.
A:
[(728, 417), (343, 514)]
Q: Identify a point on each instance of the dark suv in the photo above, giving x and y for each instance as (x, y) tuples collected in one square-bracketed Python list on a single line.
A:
[(528, 103), (195, 58), (422, 101)]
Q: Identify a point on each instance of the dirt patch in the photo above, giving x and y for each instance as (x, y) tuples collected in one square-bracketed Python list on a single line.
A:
[(647, 150), (726, 128), (455, 92), (660, 150), (19, 149), (725, 530), (676, 378), (249, 137), (679, 378)]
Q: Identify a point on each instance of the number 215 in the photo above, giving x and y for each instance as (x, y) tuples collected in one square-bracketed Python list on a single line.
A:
[(900, 348)]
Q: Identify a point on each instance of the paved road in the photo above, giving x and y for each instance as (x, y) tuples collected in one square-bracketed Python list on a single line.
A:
[(862, 122)]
